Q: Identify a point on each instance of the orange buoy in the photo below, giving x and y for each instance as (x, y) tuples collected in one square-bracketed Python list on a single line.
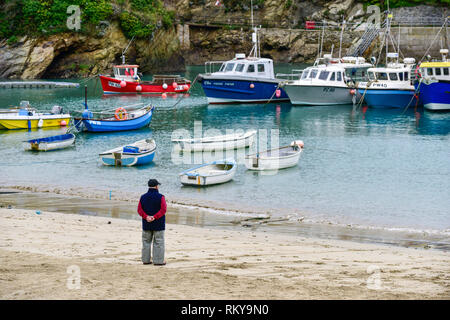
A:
[(121, 114), (164, 95), (123, 84), (252, 85), (63, 123), (352, 91)]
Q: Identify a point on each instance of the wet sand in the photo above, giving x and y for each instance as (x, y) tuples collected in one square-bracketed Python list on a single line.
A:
[(202, 263)]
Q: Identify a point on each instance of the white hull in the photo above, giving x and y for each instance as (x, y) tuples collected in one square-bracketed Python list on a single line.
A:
[(208, 174), (437, 106), (226, 142), (48, 146), (318, 95), (284, 157)]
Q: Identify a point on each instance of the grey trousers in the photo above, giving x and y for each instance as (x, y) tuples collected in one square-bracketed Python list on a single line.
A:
[(157, 237)]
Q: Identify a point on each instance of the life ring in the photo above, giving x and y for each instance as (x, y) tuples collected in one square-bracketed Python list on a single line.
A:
[(121, 114)]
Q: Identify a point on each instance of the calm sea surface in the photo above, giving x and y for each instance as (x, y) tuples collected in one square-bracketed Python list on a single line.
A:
[(372, 167)]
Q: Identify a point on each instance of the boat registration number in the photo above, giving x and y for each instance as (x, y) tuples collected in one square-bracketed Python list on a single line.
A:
[(328, 89), (98, 123), (114, 84)]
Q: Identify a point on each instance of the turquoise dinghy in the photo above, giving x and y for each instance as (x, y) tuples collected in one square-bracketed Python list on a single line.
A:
[(138, 153)]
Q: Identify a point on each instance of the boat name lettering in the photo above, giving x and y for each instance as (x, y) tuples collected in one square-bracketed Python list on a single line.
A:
[(328, 89), (114, 84)]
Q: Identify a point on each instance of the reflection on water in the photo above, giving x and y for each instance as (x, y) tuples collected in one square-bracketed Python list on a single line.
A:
[(376, 167)]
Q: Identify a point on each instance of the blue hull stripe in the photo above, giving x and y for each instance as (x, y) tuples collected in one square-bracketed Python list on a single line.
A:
[(389, 98)]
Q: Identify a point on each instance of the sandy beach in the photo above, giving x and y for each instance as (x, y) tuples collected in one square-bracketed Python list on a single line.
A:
[(42, 253)]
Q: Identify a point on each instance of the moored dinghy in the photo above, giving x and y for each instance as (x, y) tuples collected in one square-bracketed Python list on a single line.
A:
[(138, 153), (223, 142), (279, 158), (50, 143), (216, 172)]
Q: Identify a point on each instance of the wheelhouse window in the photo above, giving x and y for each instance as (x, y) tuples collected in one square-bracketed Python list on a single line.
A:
[(406, 75), (324, 75), (339, 76), (437, 71), (251, 68), (400, 76), (305, 74), (393, 76), (445, 71), (430, 71), (222, 67), (260, 67), (239, 67), (371, 76), (382, 76), (313, 74), (229, 67), (333, 76)]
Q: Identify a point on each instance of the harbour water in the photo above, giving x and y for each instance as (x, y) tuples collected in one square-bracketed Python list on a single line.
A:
[(375, 168)]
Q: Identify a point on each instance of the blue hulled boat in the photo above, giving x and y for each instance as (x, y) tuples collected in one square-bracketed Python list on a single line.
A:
[(243, 79), (122, 120), (433, 84), (138, 153)]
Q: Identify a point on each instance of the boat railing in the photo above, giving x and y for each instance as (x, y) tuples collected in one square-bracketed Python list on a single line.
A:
[(211, 65), (294, 75)]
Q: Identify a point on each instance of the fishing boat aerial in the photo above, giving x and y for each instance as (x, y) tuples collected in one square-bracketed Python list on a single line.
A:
[(216, 172), (243, 79), (50, 143), (122, 119), (138, 153), (274, 159), (26, 117), (433, 83), (223, 142)]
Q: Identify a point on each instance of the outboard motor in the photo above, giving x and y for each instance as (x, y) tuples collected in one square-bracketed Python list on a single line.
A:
[(57, 110)]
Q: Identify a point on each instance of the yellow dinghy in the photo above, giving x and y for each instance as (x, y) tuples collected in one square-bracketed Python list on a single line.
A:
[(27, 118)]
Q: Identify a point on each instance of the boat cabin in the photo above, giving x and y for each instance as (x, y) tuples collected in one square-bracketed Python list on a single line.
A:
[(126, 72), (248, 67), (333, 74), (389, 74)]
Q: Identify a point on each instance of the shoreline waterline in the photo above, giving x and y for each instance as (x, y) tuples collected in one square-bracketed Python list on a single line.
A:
[(210, 215)]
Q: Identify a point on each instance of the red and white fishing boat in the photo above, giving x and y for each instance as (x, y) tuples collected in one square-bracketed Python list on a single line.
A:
[(126, 80)]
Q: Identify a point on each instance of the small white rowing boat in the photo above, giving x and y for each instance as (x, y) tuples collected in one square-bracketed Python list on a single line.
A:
[(137, 153), (274, 159), (224, 142), (216, 172), (50, 143)]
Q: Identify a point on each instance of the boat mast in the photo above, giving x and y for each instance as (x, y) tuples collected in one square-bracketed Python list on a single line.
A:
[(340, 39), (256, 50), (125, 50)]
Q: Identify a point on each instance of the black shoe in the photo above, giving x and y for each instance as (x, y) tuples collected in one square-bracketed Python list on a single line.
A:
[(147, 263), (160, 264)]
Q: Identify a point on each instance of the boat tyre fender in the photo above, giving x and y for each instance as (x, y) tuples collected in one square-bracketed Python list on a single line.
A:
[(121, 114)]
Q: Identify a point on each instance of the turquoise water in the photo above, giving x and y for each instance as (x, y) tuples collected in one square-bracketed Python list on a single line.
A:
[(369, 167)]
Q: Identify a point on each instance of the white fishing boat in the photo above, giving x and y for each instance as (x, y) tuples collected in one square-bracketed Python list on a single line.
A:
[(50, 143), (329, 81), (137, 153), (274, 159), (216, 172), (222, 142)]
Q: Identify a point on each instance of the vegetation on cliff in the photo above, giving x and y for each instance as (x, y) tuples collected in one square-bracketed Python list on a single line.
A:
[(138, 18)]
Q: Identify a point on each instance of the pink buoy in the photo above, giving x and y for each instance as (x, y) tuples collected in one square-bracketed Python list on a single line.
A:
[(123, 84), (164, 95), (138, 88), (63, 123), (252, 85), (174, 85), (278, 93), (352, 91)]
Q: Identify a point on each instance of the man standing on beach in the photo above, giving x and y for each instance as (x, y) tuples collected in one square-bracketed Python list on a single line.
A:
[(152, 208)]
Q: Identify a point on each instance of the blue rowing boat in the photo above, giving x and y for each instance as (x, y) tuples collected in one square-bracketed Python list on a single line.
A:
[(50, 143), (122, 120)]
